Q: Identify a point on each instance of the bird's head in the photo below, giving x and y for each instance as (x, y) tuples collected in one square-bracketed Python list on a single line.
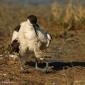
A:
[(32, 19)]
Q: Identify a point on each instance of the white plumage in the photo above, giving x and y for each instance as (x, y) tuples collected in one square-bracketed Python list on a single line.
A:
[(28, 39), (14, 36)]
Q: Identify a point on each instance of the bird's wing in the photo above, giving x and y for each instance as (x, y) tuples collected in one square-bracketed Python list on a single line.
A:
[(14, 36)]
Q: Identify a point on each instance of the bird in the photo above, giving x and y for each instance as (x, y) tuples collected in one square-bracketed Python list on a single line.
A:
[(29, 35)]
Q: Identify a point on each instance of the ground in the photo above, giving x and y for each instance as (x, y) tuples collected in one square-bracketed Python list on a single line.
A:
[(69, 66), (67, 28), (10, 74)]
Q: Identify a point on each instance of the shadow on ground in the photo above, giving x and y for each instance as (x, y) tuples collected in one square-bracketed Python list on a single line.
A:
[(58, 65)]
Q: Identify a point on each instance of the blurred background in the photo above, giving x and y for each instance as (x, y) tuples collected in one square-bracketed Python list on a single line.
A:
[(49, 12), (63, 19)]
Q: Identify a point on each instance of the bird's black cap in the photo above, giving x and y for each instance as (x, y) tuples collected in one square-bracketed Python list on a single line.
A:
[(32, 19)]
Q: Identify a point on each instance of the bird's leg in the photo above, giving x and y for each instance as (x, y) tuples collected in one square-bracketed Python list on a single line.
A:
[(21, 64), (22, 61), (47, 66), (45, 69), (36, 63)]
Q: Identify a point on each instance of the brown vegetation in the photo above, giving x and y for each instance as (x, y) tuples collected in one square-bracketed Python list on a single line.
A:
[(67, 27)]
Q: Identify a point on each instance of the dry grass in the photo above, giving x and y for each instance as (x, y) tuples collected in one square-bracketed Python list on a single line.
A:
[(55, 17), (67, 27), (70, 14)]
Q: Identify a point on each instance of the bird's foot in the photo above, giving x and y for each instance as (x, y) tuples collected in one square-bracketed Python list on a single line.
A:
[(46, 68)]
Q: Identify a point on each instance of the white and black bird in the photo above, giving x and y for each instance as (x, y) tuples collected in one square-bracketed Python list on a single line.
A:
[(29, 35)]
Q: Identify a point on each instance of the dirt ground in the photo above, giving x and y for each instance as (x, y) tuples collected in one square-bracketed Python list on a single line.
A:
[(10, 74), (70, 66)]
